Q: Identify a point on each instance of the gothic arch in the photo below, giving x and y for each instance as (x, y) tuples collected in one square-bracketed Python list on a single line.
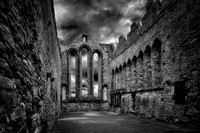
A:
[(85, 46), (97, 51), (72, 50)]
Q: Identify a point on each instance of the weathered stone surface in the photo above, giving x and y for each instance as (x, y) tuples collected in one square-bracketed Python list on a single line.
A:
[(6, 83), (28, 50), (95, 99), (164, 54)]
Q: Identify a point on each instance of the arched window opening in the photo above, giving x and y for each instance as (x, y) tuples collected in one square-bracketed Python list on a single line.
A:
[(64, 91), (105, 93), (124, 78), (112, 80), (134, 73), (156, 64), (147, 68), (84, 72), (120, 78), (84, 38), (116, 78), (96, 74), (73, 73)]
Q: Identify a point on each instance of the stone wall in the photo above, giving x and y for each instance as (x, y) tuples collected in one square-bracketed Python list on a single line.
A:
[(85, 106), (29, 66), (90, 102), (164, 54)]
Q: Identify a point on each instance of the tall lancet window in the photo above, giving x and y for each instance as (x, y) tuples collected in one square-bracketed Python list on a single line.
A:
[(84, 72), (96, 65), (72, 73)]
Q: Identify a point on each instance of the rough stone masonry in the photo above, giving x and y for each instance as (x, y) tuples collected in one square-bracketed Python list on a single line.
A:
[(29, 66), (155, 71)]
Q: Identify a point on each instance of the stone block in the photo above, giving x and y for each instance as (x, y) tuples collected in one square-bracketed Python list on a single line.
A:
[(6, 83)]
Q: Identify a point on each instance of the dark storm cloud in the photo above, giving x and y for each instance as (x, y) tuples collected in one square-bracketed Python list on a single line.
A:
[(104, 19)]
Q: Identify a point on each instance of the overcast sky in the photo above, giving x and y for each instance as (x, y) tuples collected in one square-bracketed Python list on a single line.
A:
[(105, 20)]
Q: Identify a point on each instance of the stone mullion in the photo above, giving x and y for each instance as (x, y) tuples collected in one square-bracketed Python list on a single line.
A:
[(68, 79), (100, 75), (91, 73), (115, 80), (118, 80), (78, 78)]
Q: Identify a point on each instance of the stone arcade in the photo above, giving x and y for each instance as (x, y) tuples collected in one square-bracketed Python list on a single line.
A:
[(153, 73)]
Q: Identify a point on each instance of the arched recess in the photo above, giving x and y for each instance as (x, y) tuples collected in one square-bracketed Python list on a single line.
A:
[(85, 73), (124, 78), (63, 92), (128, 70), (116, 78), (113, 80), (147, 68), (140, 71), (105, 92), (73, 60), (156, 63), (97, 58), (134, 73), (120, 78)]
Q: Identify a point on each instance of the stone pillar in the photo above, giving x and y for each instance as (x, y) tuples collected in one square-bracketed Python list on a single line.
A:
[(78, 88), (90, 78), (147, 69), (140, 71), (156, 64)]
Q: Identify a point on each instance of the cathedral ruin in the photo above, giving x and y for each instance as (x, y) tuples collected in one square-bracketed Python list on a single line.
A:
[(153, 73)]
